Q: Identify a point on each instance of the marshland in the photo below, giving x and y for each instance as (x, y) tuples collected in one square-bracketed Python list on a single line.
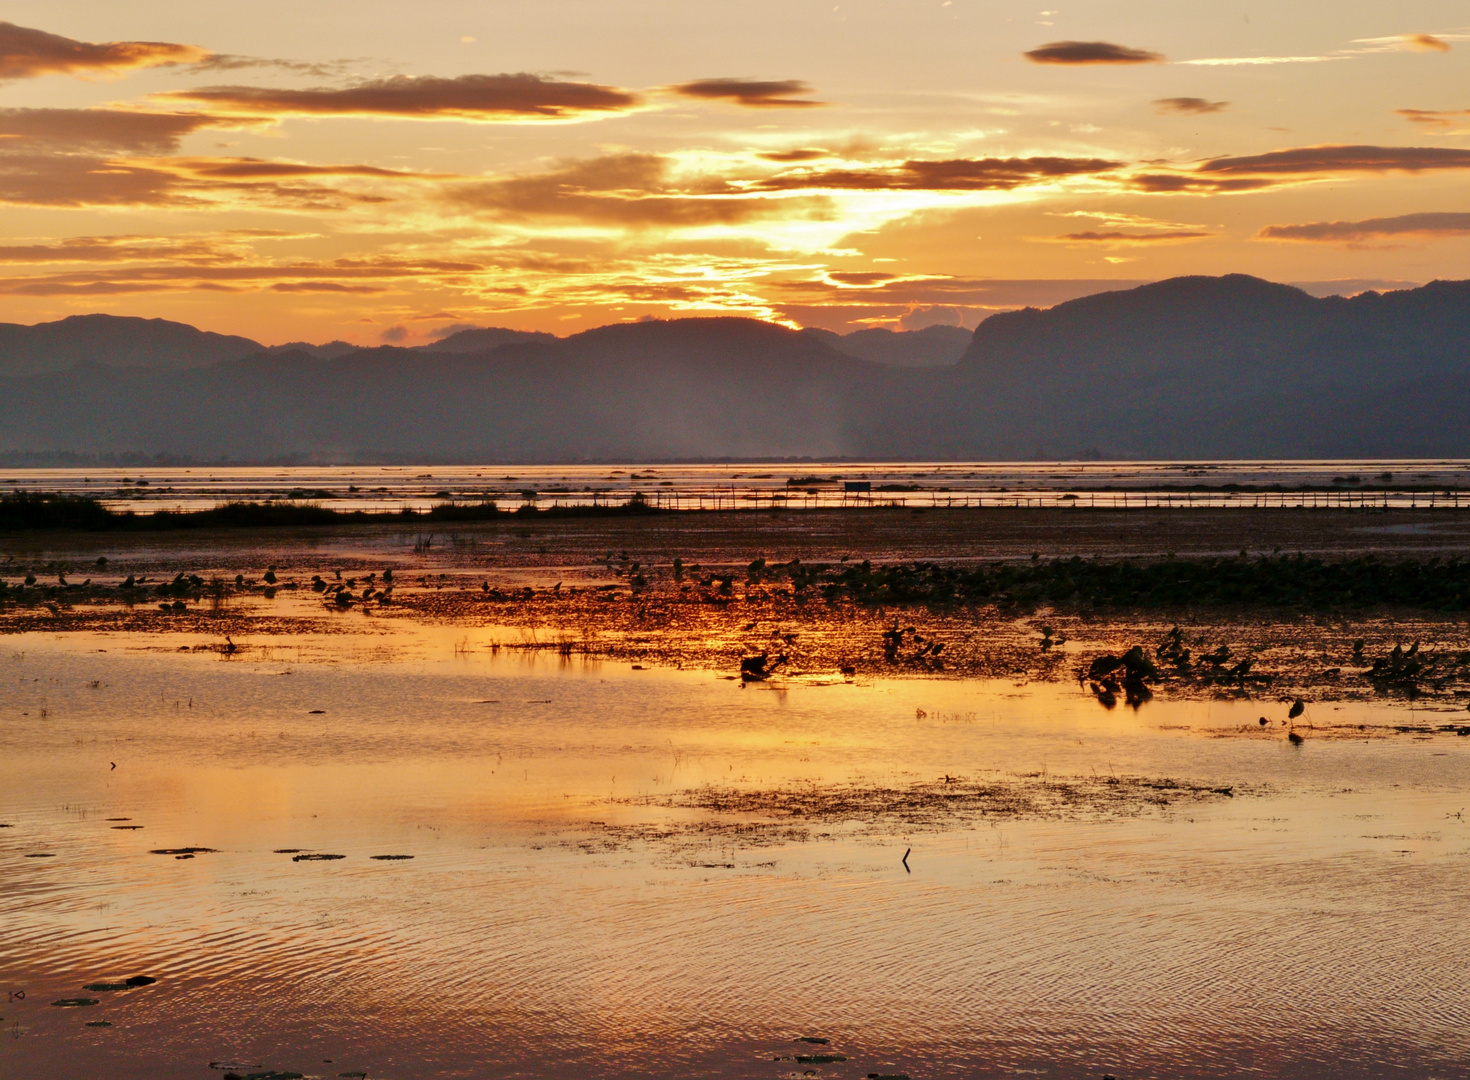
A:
[(628, 791)]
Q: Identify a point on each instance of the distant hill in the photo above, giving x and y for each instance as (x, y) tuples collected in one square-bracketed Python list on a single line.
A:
[(1235, 365), (115, 341), (933, 346), (330, 351), (483, 338), (1186, 368)]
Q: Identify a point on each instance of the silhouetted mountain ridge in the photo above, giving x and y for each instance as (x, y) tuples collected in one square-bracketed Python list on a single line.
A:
[(114, 340), (481, 339), (1186, 368)]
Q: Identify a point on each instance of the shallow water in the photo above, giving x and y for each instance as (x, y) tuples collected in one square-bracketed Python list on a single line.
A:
[(557, 919)]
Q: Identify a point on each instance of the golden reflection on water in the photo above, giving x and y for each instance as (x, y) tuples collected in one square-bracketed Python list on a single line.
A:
[(558, 919)]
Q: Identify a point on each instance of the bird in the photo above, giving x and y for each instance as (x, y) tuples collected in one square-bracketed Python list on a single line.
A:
[(1297, 708), (1264, 721)]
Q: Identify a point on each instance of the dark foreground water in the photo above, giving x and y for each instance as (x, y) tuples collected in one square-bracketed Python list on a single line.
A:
[(559, 918)]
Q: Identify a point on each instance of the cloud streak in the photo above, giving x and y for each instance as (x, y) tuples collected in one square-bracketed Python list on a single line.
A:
[(1339, 158), (1437, 118), (1409, 43), (1127, 239), (751, 93), (1090, 52), (104, 129), (482, 98), (1430, 226), (958, 174), (1260, 61), (27, 53), (630, 190), (1369, 46), (1276, 168), (1188, 106)]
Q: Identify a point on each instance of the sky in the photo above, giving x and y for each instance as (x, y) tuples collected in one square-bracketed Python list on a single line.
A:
[(378, 172)]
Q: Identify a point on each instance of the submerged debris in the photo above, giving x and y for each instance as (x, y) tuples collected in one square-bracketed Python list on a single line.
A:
[(183, 851)]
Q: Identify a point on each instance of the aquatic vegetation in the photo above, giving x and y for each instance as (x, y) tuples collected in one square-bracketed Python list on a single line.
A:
[(1287, 581), (46, 510), (940, 802)]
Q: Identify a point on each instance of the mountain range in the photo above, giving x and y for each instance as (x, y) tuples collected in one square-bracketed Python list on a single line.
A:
[(1191, 367), (126, 342)]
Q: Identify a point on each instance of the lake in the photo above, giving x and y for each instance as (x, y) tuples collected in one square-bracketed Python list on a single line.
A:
[(616, 871)]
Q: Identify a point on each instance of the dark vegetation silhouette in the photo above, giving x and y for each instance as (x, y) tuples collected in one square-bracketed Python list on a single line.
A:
[(25, 511), (1186, 368)]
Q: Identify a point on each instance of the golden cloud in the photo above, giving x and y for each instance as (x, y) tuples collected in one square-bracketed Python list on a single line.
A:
[(484, 98), (800, 154), (958, 174), (27, 53), (342, 276), (631, 190), (1425, 43), (124, 249)]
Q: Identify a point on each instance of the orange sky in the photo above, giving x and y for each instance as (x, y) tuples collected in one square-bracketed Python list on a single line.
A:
[(375, 172)]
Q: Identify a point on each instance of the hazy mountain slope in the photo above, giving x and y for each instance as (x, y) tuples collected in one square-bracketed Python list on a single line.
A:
[(933, 346), (115, 341)]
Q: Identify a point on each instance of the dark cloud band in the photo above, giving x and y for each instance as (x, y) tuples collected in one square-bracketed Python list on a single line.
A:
[(1429, 225), (751, 93), (1090, 52)]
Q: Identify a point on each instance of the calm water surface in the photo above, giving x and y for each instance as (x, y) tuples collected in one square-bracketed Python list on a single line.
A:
[(1316, 924)]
